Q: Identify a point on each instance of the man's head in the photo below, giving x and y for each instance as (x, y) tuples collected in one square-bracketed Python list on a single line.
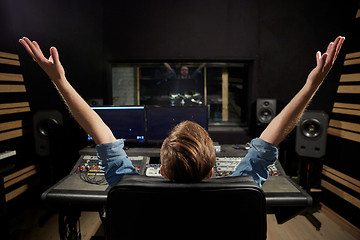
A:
[(184, 72), (187, 154)]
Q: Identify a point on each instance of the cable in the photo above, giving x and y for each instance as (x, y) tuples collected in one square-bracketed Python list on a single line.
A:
[(93, 178)]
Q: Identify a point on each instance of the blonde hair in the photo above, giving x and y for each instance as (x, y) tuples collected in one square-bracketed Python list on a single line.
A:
[(187, 154)]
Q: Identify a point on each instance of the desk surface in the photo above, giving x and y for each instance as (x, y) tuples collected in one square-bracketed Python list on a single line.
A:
[(280, 191)]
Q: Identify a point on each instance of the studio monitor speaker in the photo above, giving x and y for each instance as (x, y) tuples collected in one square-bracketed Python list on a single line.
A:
[(47, 126), (311, 134), (265, 110)]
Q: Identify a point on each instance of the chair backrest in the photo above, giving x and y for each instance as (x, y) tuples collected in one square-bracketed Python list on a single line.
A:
[(140, 207)]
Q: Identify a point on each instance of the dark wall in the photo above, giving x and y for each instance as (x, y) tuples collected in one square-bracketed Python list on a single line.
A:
[(280, 37), (290, 34), (75, 28), (195, 30)]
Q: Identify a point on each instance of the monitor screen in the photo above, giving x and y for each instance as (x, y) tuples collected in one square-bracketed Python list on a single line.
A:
[(161, 120), (127, 122)]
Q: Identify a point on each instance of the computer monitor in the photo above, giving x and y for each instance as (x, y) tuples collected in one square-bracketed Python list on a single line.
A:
[(161, 120), (127, 122)]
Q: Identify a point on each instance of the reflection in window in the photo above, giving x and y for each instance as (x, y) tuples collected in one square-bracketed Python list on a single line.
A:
[(177, 85), (220, 86)]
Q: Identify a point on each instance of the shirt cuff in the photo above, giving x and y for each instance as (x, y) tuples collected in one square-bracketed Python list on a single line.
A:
[(265, 150), (114, 161), (107, 151)]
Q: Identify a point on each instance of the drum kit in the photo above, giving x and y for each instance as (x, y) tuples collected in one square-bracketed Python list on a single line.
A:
[(189, 98)]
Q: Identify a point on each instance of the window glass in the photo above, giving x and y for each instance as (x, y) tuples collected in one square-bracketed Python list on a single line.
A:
[(220, 86)]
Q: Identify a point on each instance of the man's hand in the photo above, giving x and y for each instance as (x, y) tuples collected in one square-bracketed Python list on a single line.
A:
[(325, 62), (83, 114), (51, 66)]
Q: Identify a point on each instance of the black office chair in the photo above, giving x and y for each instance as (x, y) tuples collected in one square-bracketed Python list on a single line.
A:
[(141, 207)]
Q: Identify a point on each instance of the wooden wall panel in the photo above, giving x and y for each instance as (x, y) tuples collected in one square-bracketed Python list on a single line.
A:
[(15, 122), (341, 181)]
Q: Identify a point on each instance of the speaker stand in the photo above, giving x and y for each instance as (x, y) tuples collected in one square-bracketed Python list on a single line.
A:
[(311, 178), (309, 214)]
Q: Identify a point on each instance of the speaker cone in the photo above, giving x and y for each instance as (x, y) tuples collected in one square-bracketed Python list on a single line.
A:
[(266, 115), (310, 128), (47, 127)]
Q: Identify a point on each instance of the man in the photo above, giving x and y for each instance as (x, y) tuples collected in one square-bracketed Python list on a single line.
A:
[(184, 71), (184, 82), (187, 155)]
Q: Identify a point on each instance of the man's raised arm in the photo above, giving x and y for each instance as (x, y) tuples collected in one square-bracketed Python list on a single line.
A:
[(288, 118), (83, 114)]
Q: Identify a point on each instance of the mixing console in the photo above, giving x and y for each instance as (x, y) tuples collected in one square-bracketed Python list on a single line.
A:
[(225, 166), (226, 162)]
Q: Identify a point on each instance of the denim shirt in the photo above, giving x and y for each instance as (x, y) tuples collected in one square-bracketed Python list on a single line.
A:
[(260, 155), (116, 163)]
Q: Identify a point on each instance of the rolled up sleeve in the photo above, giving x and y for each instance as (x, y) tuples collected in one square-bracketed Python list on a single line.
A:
[(260, 155), (114, 161)]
